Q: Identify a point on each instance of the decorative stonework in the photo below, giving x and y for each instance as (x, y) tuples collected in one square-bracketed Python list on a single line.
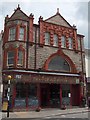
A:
[(6, 45)]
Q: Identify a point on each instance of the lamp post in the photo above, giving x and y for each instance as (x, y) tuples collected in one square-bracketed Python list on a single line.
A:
[(8, 94)]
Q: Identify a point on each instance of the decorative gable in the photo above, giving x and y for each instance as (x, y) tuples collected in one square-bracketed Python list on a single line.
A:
[(58, 20), (18, 14)]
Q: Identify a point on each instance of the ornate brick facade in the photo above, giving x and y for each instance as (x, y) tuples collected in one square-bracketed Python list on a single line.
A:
[(37, 56)]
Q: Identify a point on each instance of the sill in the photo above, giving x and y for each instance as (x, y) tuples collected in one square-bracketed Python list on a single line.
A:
[(19, 65), (10, 65)]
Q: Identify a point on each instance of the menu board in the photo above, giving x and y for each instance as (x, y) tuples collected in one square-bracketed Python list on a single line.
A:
[(20, 103)]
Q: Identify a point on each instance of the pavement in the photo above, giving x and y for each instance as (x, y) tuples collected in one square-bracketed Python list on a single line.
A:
[(47, 112)]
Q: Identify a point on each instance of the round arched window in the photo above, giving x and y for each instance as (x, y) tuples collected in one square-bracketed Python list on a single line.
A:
[(58, 63)]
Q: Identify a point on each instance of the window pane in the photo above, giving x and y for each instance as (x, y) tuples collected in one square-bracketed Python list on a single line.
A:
[(32, 90), (59, 63), (55, 40), (47, 39), (20, 57), (22, 30), (10, 58), (21, 34), (63, 41), (70, 43), (20, 90), (12, 33)]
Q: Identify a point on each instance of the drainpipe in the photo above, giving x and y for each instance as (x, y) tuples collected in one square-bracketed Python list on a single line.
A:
[(27, 42), (81, 54), (82, 72), (35, 50)]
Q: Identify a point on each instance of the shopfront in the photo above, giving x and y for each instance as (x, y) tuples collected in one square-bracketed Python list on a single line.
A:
[(44, 90)]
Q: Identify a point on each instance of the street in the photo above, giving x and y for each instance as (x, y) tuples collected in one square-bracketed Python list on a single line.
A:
[(76, 115), (73, 116)]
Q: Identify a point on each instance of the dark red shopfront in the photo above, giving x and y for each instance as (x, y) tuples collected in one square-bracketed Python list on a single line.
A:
[(45, 90)]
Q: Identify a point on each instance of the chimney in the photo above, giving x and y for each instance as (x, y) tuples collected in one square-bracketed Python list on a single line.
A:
[(57, 11)]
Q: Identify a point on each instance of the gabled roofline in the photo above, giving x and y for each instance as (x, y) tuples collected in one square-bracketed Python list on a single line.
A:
[(20, 10), (60, 16)]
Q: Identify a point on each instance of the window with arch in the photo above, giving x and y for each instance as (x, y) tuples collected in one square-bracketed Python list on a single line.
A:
[(47, 38), (63, 41), (58, 63), (70, 41), (55, 40)]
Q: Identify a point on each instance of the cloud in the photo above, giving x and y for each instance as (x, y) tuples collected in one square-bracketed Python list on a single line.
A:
[(74, 12), (81, 17)]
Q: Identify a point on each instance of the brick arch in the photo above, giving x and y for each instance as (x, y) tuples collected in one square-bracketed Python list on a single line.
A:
[(60, 53)]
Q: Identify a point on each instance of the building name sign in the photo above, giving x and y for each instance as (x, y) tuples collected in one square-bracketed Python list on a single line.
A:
[(48, 79)]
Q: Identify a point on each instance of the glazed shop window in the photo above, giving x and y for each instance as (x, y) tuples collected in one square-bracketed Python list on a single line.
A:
[(70, 41), (10, 58), (20, 58), (32, 90), (63, 41), (47, 38), (20, 90), (12, 34), (21, 33), (58, 63), (55, 40)]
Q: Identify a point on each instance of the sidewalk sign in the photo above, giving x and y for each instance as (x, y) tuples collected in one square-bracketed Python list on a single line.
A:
[(5, 106)]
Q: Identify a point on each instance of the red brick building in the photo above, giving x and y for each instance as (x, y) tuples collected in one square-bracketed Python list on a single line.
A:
[(45, 61)]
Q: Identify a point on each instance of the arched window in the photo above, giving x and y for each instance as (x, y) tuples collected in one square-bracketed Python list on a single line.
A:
[(47, 38), (63, 41), (70, 41), (58, 63), (55, 43)]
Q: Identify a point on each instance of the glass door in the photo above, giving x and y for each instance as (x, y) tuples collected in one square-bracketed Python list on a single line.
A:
[(66, 94)]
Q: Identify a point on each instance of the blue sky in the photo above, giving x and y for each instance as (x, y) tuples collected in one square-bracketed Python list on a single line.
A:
[(75, 12)]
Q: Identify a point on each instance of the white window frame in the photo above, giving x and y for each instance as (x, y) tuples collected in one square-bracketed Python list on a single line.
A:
[(70, 41), (21, 34), (63, 41), (20, 57), (55, 40), (10, 57), (47, 38), (12, 33)]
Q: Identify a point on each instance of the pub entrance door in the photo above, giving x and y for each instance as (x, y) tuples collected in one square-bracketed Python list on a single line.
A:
[(44, 96), (55, 95), (50, 95)]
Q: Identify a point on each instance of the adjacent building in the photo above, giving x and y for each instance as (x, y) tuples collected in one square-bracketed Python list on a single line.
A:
[(46, 61), (87, 51), (1, 85)]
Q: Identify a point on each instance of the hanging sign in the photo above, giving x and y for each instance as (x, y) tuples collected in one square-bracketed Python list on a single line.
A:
[(77, 81), (69, 95)]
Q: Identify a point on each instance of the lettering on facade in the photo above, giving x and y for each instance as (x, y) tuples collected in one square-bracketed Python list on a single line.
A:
[(18, 76)]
